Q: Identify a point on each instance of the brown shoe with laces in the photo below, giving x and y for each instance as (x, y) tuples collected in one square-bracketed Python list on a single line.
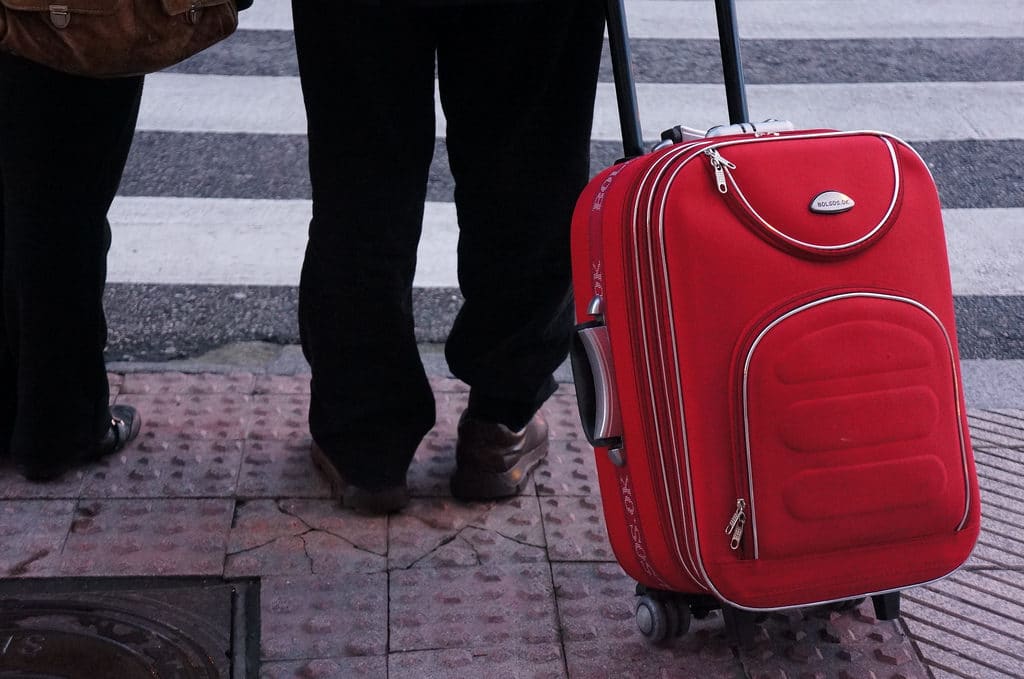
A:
[(386, 500), (492, 461)]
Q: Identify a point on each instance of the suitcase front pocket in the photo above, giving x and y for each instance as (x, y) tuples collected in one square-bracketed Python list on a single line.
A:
[(851, 429)]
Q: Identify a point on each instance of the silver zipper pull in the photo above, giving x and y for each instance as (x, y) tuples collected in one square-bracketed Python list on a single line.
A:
[(737, 516), (737, 533), (722, 166)]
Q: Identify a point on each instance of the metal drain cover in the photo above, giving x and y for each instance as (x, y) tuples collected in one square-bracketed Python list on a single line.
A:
[(128, 629)]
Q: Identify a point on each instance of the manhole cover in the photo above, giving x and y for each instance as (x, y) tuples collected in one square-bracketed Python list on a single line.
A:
[(128, 629)]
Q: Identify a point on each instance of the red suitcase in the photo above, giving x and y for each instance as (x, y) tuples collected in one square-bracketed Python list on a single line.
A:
[(767, 365)]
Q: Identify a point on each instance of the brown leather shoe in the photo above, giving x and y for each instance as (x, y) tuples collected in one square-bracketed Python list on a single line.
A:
[(492, 461), (385, 500)]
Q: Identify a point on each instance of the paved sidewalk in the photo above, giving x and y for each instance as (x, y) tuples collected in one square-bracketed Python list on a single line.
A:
[(220, 484)]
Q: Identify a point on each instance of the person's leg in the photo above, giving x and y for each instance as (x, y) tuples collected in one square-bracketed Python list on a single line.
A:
[(8, 377), (64, 142), (368, 82), (518, 84)]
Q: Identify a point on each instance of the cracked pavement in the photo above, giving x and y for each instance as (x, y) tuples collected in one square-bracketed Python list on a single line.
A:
[(220, 485)]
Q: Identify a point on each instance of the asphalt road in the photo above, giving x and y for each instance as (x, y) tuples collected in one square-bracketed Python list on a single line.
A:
[(209, 224)]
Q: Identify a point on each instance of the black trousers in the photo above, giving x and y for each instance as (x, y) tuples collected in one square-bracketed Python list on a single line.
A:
[(517, 84), (63, 145)]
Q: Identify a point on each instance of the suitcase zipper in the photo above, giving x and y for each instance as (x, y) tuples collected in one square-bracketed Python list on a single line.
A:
[(734, 529), (721, 167)]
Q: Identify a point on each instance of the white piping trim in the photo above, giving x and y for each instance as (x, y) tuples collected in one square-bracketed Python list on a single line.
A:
[(825, 300), (825, 248)]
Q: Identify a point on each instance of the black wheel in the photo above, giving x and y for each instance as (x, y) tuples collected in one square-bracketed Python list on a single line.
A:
[(679, 614), (652, 619)]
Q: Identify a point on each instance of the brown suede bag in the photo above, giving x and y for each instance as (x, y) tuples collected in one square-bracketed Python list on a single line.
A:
[(110, 38)]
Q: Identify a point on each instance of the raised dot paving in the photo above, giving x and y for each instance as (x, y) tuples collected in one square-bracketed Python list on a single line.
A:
[(220, 484)]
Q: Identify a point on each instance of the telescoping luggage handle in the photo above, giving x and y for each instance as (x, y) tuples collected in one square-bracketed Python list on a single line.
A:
[(625, 87), (591, 352)]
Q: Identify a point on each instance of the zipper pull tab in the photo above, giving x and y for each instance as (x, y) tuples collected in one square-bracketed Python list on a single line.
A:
[(737, 533), (722, 167), (737, 516)]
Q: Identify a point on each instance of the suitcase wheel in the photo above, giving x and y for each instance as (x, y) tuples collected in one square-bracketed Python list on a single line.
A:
[(661, 616)]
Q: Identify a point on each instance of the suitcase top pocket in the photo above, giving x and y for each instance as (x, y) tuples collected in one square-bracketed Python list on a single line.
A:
[(821, 195)]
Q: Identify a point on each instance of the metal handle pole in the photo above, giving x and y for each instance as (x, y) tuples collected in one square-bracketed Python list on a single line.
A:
[(625, 88), (732, 67)]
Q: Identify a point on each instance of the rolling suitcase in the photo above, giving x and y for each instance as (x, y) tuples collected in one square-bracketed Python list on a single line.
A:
[(766, 364)]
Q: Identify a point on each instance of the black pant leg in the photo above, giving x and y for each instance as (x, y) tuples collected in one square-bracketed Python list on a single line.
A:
[(64, 141), (519, 114), (368, 83)]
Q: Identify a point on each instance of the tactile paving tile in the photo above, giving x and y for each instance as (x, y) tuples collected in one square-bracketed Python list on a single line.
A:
[(280, 469), (563, 417), (996, 428), (817, 642), (368, 533), (181, 383), (222, 416), (31, 536), (167, 468), (448, 408), (14, 487), (569, 469), (297, 549), (595, 602), (536, 661), (308, 617), (327, 668), (445, 533), (471, 607), (114, 383), (281, 418), (971, 623), (281, 384), (148, 537), (575, 530), (432, 467), (440, 385), (684, 659), (260, 522)]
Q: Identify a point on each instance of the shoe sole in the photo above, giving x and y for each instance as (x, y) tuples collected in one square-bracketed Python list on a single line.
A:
[(472, 484), (384, 501)]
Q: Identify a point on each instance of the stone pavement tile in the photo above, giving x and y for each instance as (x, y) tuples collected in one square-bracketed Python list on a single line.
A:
[(536, 661), (996, 428), (569, 469), (971, 623), (432, 468), (14, 487), (114, 382), (574, 529), (32, 534), (218, 416), (444, 533), (448, 407), (281, 384), (596, 602), (816, 642), (1001, 542), (563, 417), (636, 659), (181, 383), (280, 418), (440, 385), (317, 616), (167, 468), (302, 537), (374, 667), (486, 606), (280, 469), (148, 537)]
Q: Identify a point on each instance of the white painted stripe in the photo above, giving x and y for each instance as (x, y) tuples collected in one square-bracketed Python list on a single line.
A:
[(220, 241), (799, 19), (781, 18), (261, 242), (918, 111)]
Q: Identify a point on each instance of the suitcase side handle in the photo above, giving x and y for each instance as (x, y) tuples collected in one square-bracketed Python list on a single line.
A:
[(595, 385)]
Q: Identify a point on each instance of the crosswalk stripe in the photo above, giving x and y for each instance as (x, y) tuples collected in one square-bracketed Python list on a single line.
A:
[(218, 241), (921, 111), (687, 19)]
